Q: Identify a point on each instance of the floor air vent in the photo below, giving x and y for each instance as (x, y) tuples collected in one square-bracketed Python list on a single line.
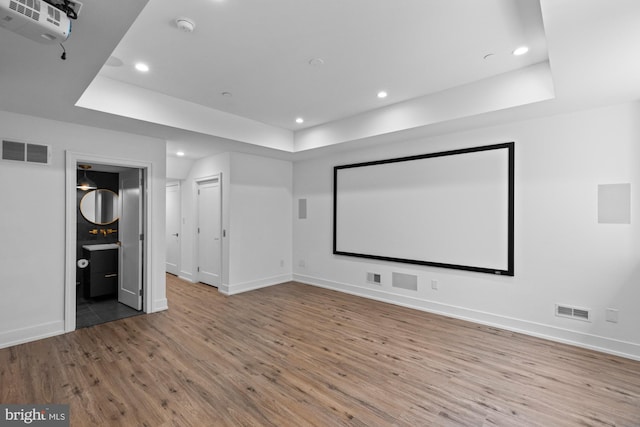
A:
[(23, 152), (573, 312)]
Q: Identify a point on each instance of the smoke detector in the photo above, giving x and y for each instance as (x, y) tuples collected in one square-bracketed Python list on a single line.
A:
[(185, 24)]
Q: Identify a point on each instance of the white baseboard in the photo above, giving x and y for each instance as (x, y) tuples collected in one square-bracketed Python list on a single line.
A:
[(160, 305), (31, 333), (254, 284), (184, 275), (593, 342)]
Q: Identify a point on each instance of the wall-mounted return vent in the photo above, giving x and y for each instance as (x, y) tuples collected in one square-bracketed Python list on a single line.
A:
[(573, 312), (404, 281), (24, 152)]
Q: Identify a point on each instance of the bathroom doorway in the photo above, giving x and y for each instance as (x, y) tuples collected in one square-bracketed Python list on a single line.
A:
[(107, 281), (109, 250)]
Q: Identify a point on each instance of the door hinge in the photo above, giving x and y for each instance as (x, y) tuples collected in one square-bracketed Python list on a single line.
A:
[(198, 230), (142, 237), (198, 192), (140, 292), (198, 269)]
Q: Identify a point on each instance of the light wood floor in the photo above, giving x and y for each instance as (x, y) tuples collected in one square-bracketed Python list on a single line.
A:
[(296, 355)]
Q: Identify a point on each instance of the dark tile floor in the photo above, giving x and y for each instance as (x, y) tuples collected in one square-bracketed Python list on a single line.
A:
[(94, 311)]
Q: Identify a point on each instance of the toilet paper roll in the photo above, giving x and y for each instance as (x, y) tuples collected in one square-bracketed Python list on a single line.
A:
[(83, 263)]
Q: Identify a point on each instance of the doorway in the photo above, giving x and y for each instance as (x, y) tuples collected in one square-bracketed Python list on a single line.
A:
[(106, 256), (173, 228), (209, 231), (109, 250)]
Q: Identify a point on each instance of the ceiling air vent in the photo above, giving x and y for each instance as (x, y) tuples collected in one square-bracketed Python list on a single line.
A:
[(23, 152), (573, 312)]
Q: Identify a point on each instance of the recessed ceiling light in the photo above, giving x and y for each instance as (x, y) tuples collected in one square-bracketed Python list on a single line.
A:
[(299, 120), (382, 94), (226, 94), (488, 56), (180, 153), (521, 50), (142, 67), (316, 62)]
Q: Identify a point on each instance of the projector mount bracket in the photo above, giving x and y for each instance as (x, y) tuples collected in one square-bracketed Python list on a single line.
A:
[(70, 7)]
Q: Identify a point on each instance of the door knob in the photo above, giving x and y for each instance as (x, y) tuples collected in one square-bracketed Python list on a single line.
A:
[(176, 234)]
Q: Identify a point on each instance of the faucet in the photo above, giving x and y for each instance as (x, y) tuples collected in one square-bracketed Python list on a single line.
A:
[(103, 231)]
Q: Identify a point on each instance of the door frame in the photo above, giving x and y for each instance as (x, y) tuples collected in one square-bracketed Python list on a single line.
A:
[(71, 161), (196, 246)]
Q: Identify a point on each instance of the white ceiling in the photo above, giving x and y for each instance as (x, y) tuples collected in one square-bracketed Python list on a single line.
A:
[(429, 55), (259, 52)]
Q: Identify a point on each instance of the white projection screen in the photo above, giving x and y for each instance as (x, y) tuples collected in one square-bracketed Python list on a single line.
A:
[(450, 209)]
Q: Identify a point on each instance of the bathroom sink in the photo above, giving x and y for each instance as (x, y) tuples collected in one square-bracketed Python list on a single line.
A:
[(101, 247)]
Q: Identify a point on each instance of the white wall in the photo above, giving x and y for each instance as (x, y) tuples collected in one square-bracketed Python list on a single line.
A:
[(562, 254), (256, 214), (260, 229), (178, 168), (32, 221), (207, 167)]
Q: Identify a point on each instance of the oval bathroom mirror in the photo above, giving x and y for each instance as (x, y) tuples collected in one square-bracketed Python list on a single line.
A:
[(100, 207)]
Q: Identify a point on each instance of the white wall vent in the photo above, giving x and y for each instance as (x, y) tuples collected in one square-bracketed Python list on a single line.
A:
[(24, 152), (302, 208), (573, 312), (404, 281), (374, 278)]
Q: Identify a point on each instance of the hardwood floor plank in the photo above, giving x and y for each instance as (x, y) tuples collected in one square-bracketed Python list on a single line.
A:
[(297, 355)]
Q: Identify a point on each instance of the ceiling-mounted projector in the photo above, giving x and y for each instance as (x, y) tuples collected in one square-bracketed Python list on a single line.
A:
[(36, 20)]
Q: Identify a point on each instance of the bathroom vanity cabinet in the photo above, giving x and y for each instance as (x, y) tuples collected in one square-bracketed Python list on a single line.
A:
[(101, 275)]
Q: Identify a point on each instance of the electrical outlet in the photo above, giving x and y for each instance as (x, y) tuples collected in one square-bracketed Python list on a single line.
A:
[(301, 264), (434, 285), (612, 315)]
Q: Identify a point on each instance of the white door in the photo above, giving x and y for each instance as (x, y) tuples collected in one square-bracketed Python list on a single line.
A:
[(173, 228), (130, 233), (209, 225)]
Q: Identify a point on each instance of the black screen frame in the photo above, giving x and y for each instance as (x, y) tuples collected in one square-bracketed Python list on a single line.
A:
[(509, 271)]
